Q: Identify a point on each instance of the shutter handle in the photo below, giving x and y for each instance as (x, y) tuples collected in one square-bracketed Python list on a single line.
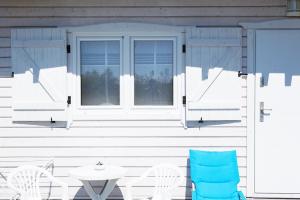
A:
[(51, 121), (69, 100), (200, 121)]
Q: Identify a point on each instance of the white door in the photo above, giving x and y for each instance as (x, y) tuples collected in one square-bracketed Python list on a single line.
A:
[(277, 112)]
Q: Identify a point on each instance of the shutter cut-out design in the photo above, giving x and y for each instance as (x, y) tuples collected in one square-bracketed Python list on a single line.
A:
[(40, 74), (213, 88)]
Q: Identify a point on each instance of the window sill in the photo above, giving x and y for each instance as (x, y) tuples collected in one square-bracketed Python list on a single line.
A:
[(293, 14), (128, 117)]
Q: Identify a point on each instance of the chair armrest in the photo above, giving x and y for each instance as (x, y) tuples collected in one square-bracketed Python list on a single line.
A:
[(128, 194), (193, 187), (129, 185), (241, 195), (60, 183)]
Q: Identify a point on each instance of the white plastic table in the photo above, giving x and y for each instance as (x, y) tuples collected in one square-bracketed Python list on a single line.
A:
[(111, 174)]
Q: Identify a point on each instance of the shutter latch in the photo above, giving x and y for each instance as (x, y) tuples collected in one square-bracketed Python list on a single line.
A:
[(242, 74), (200, 121), (52, 121), (68, 48), (183, 48), (69, 100), (184, 100)]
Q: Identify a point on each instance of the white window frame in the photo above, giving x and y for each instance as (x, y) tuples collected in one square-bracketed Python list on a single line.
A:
[(78, 73), (174, 70), (127, 110)]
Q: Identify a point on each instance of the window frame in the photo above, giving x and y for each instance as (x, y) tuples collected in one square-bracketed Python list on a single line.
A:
[(126, 111), (78, 72), (174, 70)]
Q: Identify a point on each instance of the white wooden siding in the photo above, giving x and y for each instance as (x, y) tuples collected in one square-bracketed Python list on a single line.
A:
[(57, 13), (126, 143), (134, 148)]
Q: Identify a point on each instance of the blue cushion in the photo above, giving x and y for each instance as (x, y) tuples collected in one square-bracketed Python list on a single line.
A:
[(218, 174), (215, 175), (204, 198), (212, 158), (216, 190)]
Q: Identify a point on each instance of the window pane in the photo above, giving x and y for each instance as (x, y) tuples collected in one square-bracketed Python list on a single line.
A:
[(100, 72), (153, 72), (298, 5)]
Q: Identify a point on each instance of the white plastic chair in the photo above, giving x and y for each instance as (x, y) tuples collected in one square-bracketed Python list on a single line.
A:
[(167, 178), (26, 179)]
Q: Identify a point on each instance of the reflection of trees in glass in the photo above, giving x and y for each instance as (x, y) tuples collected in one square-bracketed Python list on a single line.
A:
[(100, 89), (150, 90)]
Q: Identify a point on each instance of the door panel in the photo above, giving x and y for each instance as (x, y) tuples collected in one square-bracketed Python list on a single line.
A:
[(277, 111)]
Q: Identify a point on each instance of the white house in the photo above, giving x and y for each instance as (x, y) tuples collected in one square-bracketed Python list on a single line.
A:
[(140, 82)]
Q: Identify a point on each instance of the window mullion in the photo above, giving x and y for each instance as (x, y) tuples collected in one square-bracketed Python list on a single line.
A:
[(127, 92), (106, 72)]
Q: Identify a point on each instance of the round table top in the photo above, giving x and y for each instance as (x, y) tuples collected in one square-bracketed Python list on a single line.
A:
[(91, 173)]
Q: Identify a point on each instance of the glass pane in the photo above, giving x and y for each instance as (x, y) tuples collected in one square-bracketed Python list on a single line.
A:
[(298, 5), (293, 5), (153, 72), (100, 72)]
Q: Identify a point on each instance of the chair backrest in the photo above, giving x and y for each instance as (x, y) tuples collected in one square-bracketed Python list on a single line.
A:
[(215, 174), (167, 178), (25, 180)]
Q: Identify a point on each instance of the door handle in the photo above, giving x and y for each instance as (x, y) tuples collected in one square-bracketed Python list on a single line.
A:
[(262, 110)]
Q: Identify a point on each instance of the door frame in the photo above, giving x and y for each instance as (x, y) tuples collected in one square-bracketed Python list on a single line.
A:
[(285, 24)]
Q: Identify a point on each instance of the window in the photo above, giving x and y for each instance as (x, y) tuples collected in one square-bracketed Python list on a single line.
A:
[(293, 8), (100, 72), (127, 76), (153, 72)]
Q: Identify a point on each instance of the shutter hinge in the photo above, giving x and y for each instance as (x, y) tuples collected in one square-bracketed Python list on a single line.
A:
[(184, 100), (68, 48), (242, 74), (12, 74), (69, 100), (183, 48)]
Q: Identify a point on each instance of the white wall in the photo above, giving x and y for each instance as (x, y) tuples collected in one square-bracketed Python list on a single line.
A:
[(132, 144)]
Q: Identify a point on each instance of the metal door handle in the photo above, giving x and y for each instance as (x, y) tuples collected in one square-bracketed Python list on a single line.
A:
[(262, 81), (262, 110)]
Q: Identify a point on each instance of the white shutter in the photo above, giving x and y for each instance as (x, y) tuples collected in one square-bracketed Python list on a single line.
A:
[(213, 88), (40, 74)]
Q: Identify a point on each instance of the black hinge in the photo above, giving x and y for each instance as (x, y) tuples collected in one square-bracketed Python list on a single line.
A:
[(68, 48), (183, 48), (69, 100), (12, 74), (184, 100), (242, 74)]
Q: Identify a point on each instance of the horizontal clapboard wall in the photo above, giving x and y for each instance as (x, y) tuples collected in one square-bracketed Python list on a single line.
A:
[(137, 149), (125, 143), (48, 13)]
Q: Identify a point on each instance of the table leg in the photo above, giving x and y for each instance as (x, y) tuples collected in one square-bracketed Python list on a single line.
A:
[(108, 188), (89, 190)]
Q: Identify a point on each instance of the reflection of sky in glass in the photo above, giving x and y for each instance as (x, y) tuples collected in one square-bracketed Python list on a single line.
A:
[(153, 72), (100, 72)]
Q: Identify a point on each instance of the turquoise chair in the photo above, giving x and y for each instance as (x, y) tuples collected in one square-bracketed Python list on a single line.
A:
[(214, 175)]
